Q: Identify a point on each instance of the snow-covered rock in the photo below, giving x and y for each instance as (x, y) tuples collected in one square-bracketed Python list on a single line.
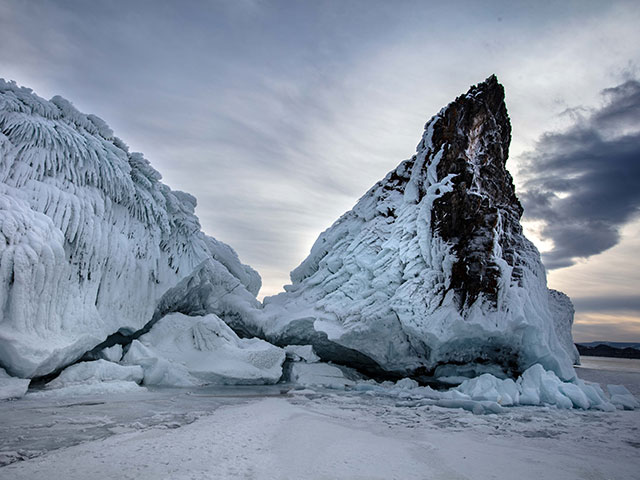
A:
[(11, 387), (185, 351), (95, 372), (430, 269), (91, 242)]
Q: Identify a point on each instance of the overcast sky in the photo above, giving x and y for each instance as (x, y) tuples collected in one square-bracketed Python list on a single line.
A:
[(277, 116)]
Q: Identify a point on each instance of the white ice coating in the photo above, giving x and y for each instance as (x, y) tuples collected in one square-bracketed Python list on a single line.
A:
[(377, 283), (90, 239)]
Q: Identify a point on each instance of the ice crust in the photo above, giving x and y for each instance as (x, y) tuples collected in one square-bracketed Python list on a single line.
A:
[(186, 351), (91, 241), (384, 289)]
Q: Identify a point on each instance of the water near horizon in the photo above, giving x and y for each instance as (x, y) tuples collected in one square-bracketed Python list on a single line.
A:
[(610, 363), (611, 371)]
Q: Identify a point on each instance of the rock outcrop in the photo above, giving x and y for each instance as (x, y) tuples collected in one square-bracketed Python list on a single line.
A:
[(430, 274)]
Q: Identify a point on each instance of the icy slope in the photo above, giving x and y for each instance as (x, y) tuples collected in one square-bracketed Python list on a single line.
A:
[(91, 240), (430, 273)]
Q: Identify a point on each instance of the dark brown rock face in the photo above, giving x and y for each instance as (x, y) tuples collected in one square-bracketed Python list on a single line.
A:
[(482, 212)]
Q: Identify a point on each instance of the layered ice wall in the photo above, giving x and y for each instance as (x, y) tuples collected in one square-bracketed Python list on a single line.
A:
[(91, 242), (430, 273)]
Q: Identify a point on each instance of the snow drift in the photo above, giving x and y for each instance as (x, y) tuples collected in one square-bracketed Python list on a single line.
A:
[(91, 242), (430, 274)]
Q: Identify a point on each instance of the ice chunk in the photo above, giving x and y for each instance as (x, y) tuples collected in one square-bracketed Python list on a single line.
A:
[(489, 394), (12, 387), (113, 353), (407, 383), (181, 350), (487, 387), (95, 372), (158, 370), (301, 353), (622, 398), (319, 374), (98, 388)]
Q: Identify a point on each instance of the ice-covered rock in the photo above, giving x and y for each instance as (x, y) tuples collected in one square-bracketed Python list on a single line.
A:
[(91, 242), (11, 387), (562, 312), (95, 372), (430, 270), (184, 351)]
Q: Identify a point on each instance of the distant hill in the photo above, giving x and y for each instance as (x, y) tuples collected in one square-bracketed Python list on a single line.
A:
[(609, 349), (612, 344)]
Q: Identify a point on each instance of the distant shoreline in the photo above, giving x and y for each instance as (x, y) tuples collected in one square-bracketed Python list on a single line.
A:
[(603, 350)]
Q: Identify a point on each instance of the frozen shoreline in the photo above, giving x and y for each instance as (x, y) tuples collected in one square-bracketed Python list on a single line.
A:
[(264, 432), (337, 436)]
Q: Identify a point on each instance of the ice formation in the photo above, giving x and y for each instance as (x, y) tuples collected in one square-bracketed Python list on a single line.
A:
[(319, 375), (95, 372), (91, 242), (430, 274), (188, 351), (489, 394), (301, 353)]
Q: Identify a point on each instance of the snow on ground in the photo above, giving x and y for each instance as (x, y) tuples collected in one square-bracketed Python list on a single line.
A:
[(263, 432), (336, 436)]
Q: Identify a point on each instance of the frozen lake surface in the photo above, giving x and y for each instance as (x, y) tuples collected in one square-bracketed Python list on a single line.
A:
[(273, 433)]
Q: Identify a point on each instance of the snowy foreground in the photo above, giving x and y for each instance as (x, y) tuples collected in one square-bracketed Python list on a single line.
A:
[(274, 432)]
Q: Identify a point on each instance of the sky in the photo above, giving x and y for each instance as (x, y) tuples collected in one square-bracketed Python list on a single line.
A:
[(279, 115)]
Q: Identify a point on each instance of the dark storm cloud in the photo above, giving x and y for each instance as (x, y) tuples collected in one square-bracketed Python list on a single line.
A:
[(584, 183)]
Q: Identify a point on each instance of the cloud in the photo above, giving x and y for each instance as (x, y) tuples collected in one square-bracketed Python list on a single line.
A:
[(599, 326), (583, 183), (626, 303)]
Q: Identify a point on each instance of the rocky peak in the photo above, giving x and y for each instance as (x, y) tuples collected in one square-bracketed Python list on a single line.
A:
[(481, 212), (429, 273)]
